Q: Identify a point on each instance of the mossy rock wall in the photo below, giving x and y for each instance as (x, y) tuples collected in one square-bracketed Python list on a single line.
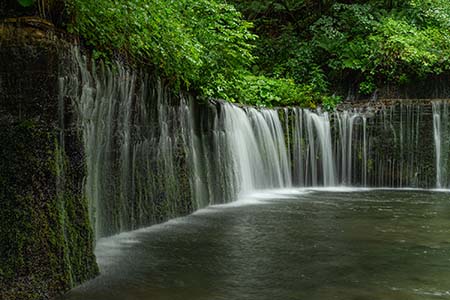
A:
[(46, 244)]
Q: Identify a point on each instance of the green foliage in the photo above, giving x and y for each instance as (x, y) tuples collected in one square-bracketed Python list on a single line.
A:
[(330, 102), (189, 41), (325, 43), (204, 45), (306, 48), (367, 87), (272, 92), (391, 45), (26, 3)]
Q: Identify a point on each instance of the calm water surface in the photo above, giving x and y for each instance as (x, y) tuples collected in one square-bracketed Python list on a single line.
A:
[(360, 245)]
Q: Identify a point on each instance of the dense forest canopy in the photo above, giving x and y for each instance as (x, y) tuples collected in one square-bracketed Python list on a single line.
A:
[(369, 42), (268, 52)]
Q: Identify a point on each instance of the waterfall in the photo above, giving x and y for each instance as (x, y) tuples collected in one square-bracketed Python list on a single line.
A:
[(258, 147), (361, 147), (152, 155), (137, 157), (346, 122), (385, 147), (319, 137), (364, 169), (248, 150), (441, 141), (148, 157)]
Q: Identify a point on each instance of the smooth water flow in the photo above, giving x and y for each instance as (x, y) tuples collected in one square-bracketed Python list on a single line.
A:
[(318, 128), (135, 141), (441, 141), (390, 146), (258, 147), (152, 155), (346, 122)]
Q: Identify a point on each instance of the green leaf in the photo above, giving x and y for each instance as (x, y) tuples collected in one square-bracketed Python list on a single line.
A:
[(26, 3)]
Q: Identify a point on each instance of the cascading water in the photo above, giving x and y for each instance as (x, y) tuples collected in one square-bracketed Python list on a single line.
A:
[(246, 150), (346, 121), (318, 133), (151, 156), (441, 141), (268, 159), (387, 147), (146, 160), (135, 149)]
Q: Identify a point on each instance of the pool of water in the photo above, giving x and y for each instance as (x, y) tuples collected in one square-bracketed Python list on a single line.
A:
[(294, 244)]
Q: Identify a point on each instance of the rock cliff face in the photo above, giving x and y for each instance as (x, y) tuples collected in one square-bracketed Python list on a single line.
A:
[(46, 242)]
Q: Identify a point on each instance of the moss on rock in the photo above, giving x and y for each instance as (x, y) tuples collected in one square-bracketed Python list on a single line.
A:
[(46, 243)]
